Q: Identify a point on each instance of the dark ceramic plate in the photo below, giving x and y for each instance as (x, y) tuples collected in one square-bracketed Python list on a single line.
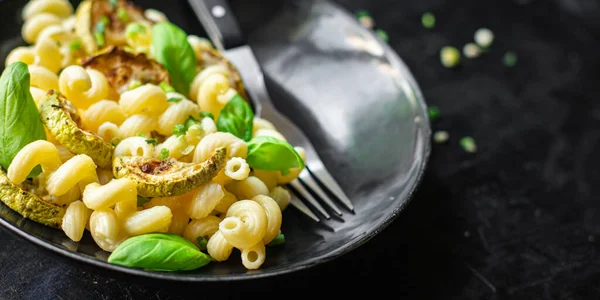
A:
[(350, 93)]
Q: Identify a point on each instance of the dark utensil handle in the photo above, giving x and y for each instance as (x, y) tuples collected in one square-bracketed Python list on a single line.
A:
[(219, 22)]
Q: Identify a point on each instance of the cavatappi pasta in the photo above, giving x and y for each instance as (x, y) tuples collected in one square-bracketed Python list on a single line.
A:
[(237, 208)]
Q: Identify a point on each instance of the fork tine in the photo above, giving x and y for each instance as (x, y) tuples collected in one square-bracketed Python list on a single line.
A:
[(302, 191), (294, 201), (306, 178), (328, 181)]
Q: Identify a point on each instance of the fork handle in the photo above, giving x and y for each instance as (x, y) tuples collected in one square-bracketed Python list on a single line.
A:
[(220, 23)]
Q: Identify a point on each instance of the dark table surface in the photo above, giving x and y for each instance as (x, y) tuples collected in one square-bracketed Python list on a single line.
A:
[(519, 219)]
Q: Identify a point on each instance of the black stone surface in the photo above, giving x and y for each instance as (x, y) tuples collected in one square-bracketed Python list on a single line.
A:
[(519, 219)]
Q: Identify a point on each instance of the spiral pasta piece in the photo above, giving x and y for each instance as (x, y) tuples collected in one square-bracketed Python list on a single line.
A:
[(75, 220), (134, 146), (218, 247), (179, 222), (23, 54), (59, 8), (245, 224), (41, 153), (106, 230), (214, 93), (236, 147), (201, 77), (204, 200), (176, 113), (78, 170), (42, 78), (83, 87), (48, 55), (137, 124), (281, 196), (155, 219), (96, 196), (146, 99), (253, 257), (237, 168), (101, 112), (204, 227), (248, 188), (274, 217), (36, 23)]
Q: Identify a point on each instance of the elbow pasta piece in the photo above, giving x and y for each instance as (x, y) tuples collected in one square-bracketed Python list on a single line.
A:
[(39, 152), (134, 146), (260, 123), (59, 8), (106, 230), (248, 188), (47, 55), (96, 196), (155, 219), (42, 78), (72, 195), (269, 132), (269, 178), (199, 45), (176, 145), (179, 222), (237, 168), (23, 54), (146, 99), (245, 224), (69, 23), (274, 216), (209, 126), (214, 93), (78, 170), (75, 220), (104, 175), (101, 112), (176, 113), (294, 172), (254, 257), (282, 196), (236, 147), (218, 247), (124, 209), (204, 200), (201, 77), (175, 203), (205, 227), (34, 25), (136, 124), (83, 87), (225, 202), (38, 95), (108, 131)]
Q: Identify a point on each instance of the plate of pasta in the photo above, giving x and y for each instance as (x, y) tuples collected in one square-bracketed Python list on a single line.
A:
[(128, 142)]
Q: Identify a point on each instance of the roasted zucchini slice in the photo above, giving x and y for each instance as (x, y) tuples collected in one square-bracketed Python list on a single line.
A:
[(122, 68), (29, 205), (63, 123), (169, 177), (91, 12)]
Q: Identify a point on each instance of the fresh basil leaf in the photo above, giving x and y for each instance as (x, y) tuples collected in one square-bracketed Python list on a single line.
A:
[(206, 114), (236, 118), (20, 122), (171, 48), (269, 153), (159, 252)]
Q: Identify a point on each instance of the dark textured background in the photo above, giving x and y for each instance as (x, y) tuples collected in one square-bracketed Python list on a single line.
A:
[(519, 219)]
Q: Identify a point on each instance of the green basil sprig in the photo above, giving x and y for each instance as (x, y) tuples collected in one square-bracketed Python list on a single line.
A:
[(236, 118), (159, 252), (269, 153), (171, 48), (20, 122)]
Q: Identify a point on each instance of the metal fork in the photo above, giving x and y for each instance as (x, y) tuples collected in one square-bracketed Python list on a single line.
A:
[(314, 185)]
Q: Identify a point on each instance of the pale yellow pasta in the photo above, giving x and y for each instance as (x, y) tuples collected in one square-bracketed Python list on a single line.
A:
[(39, 152), (36, 23), (108, 131), (282, 196), (96, 196), (274, 216), (208, 125), (101, 112), (221, 178), (225, 202), (204, 227), (83, 87), (42, 78), (176, 113), (23, 54), (254, 257), (137, 124), (199, 45), (69, 23), (139, 41), (61, 39), (236, 147), (179, 222), (294, 172), (269, 178), (134, 146), (207, 72), (75, 219), (84, 23), (48, 55), (104, 175), (260, 123), (269, 132), (194, 134), (176, 146), (79, 170), (105, 229), (146, 99), (248, 188), (60, 8), (155, 15), (237, 168), (204, 200), (214, 93), (245, 224), (175, 203), (218, 247), (124, 209), (38, 94), (155, 219)]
